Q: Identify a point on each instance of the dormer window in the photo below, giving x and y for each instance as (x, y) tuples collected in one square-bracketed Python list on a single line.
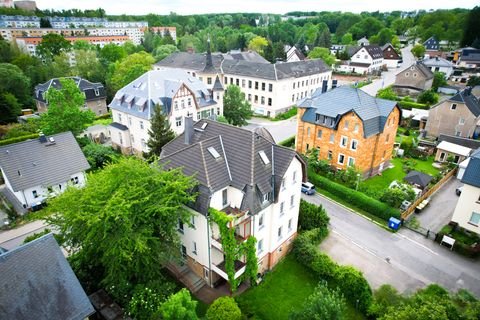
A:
[(213, 152), (266, 197), (97, 92)]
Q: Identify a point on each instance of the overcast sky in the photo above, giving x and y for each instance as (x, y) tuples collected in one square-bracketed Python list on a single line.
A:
[(162, 7)]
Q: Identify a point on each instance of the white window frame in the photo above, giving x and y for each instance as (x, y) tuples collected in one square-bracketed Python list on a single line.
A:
[(344, 142), (260, 221), (354, 141), (194, 251), (349, 160), (292, 201), (282, 208), (260, 246), (279, 233), (290, 223), (470, 221), (461, 121), (338, 159)]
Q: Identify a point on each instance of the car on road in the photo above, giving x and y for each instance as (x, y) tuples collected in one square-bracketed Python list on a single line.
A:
[(308, 188), (458, 191)]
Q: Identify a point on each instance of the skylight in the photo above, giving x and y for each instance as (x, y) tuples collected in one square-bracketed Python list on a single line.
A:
[(204, 125), (213, 152), (263, 156)]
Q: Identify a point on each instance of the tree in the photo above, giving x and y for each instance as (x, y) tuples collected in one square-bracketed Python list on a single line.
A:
[(384, 297), (45, 23), (473, 81), (235, 108), (179, 306), (88, 66), (60, 66), (258, 44), (224, 308), (6, 53), (129, 69), (33, 68), (312, 216), (15, 82), (52, 44), (322, 53), (323, 303), (124, 221), (9, 108), (64, 110), (159, 132), (98, 155), (393, 197), (387, 93), (418, 51), (347, 39), (163, 51), (427, 97), (471, 31), (324, 39), (438, 80), (112, 53)]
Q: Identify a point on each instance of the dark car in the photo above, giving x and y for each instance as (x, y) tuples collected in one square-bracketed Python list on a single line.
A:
[(308, 188), (458, 191)]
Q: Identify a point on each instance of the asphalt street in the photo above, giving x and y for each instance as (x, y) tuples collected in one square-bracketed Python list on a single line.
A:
[(404, 259)]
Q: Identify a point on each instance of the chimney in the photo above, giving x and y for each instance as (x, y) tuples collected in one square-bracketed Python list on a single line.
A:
[(324, 86), (188, 132), (334, 83)]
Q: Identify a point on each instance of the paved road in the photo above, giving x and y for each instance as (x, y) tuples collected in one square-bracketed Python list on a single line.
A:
[(388, 77), (405, 259), (280, 130), (440, 210), (11, 239)]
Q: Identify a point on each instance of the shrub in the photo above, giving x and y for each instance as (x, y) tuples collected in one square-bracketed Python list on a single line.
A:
[(360, 200), (384, 297), (18, 139), (224, 308), (354, 286), (179, 306), (428, 97), (289, 142), (36, 235), (286, 115), (312, 216), (409, 105), (98, 155)]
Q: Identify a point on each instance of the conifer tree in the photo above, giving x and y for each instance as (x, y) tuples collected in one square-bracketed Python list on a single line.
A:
[(159, 132)]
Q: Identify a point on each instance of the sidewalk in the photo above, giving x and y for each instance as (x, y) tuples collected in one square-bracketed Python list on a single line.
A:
[(9, 235)]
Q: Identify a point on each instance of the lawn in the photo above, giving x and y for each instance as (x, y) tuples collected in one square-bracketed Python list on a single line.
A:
[(396, 173), (283, 290)]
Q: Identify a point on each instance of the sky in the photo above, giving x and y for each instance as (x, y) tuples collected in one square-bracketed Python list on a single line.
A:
[(185, 7)]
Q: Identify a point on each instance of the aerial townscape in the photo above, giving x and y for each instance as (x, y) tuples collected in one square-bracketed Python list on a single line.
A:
[(274, 160)]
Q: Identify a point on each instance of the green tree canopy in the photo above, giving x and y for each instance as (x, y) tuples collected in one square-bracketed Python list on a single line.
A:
[(428, 97), (418, 51), (9, 108), (163, 51), (224, 308), (322, 53), (98, 155), (258, 44), (179, 306), (438, 80), (159, 132), (235, 108), (125, 71), (387, 93), (88, 66), (112, 53), (15, 83), (51, 45), (64, 111), (124, 220), (347, 39)]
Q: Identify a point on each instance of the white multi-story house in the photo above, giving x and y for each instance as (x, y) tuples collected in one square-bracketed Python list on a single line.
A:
[(19, 22), (175, 91), (36, 169), (367, 59), (270, 88), (467, 212), (84, 22), (438, 64), (247, 176)]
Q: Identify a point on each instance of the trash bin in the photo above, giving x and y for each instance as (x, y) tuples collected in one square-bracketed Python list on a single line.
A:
[(394, 223)]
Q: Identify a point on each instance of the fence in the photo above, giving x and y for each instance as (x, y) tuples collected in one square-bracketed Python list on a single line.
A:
[(427, 194)]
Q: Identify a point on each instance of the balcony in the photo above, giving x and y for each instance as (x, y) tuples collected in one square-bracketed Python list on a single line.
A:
[(220, 269)]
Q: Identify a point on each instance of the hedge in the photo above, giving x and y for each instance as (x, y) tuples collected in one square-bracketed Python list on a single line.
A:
[(286, 115), (356, 198), (409, 105), (312, 216), (289, 142), (18, 139)]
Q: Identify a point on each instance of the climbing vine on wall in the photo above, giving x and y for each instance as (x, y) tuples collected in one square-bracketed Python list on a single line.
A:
[(233, 250)]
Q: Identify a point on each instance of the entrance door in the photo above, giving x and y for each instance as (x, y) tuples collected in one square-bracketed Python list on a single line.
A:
[(456, 159), (442, 157)]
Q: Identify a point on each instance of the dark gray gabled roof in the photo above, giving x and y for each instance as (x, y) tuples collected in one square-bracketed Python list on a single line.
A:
[(425, 70), (472, 172), (464, 142), (419, 178), (335, 103), (190, 61), (239, 164), (251, 56), (375, 52), (470, 54), (32, 163), (218, 86), (89, 88), (37, 283), (469, 100)]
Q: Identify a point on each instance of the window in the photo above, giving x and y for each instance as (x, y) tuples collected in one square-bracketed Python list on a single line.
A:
[(143, 143), (237, 82), (243, 83), (355, 129), (354, 144), (231, 80), (270, 87), (263, 86), (194, 249), (35, 194), (183, 104), (120, 118), (260, 221), (192, 221), (343, 142), (341, 159), (189, 103), (184, 252), (293, 97), (226, 80), (209, 80), (249, 84), (330, 155), (178, 121), (332, 137), (180, 225), (256, 99), (308, 147), (294, 85), (292, 201), (224, 197), (475, 219), (282, 204), (264, 157), (74, 180), (414, 75), (351, 161), (249, 97), (260, 246), (256, 85), (283, 183), (141, 125), (213, 152), (308, 132), (461, 121), (458, 133), (279, 233), (265, 197), (290, 225), (319, 133), (120, 138), (262, 100), (130, 121), (269, 101), (345, 125), (294, 176), (453, 106)]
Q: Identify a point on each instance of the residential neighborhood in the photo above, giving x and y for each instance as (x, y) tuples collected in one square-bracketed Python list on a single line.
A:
[(280, 160)]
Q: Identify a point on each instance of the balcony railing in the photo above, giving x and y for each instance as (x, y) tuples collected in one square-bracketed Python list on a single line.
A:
[(220, 269)]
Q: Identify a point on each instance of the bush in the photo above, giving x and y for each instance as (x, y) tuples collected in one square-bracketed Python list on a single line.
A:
[(428, 97), (286, 115), (312, 216), (384, 297), (409, 105), (179, 306), (18, 139), (98, 155), (354, 286), (224, 308), (36, 235), (358, 199), (289, 142)]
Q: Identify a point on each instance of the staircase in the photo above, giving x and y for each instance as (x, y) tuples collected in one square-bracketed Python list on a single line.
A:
[(186, 276)]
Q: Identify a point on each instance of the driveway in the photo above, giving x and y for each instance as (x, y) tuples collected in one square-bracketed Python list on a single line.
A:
[(439, 212), (404, 259), (280, 130)]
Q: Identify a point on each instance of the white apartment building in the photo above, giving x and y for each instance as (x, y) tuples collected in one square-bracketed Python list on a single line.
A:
[(177, 93), (83, 22), (19, 21), (35, 169), (270, 88), (365, 60), (248, 177)]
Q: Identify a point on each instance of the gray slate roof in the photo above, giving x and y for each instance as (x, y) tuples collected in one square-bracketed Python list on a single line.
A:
[(140, 96), (42, 164), (419, 178), (84, 85), (227, 65), (469, 100), (438, 62), (425, 70), (239, 164), (472, 55), (335, 103), (472, 172), (464, 142), (375, 52), (38, 283)]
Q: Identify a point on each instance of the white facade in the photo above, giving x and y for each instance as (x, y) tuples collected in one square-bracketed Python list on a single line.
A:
[(390, 63), (38, 194), (272, 227), (467, 211), (362, 56), (19, 22)]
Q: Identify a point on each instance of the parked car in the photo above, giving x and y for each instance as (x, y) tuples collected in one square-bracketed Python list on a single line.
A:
[(308, 188), (458, 191)]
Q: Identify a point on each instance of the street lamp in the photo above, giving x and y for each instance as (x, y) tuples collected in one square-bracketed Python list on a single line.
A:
[(358, 181)]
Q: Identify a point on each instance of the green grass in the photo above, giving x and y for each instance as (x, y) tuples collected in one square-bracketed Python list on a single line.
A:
[(283, 290), (460, 236), (104, 122)]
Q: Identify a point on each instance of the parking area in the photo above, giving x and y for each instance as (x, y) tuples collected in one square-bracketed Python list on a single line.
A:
[(440, 209)]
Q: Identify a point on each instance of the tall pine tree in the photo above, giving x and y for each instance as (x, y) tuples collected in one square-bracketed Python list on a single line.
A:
[(159, 132)]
